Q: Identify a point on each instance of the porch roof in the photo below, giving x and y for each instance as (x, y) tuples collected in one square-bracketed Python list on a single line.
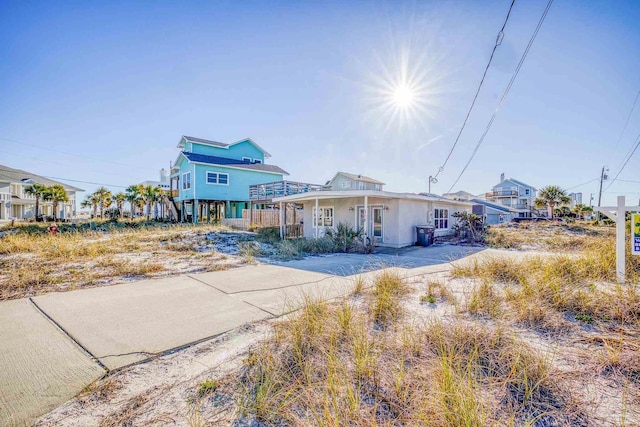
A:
[(337, 194)]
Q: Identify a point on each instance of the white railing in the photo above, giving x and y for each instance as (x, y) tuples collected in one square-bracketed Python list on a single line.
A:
[(5, 196)]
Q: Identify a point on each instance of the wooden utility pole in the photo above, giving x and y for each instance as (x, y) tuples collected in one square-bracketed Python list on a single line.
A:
[(602, 178)]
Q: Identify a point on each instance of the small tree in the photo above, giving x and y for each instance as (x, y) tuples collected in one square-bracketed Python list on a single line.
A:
[(551, 196), (104, 199), (120, 198), (56, 194), (134, 197), (469, 222), (38, 191), (581, 210)]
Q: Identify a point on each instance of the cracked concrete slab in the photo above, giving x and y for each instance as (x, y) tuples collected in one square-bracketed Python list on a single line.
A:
[(40, 367), (128, 323)]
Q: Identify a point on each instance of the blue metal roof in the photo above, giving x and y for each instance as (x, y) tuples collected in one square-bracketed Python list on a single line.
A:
[(491, 205), (223, 161)]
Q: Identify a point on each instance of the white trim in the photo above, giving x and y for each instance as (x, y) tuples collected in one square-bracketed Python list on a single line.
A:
[(339, 194), (435, 219), (206, 177), (184, 181), (314, 217)]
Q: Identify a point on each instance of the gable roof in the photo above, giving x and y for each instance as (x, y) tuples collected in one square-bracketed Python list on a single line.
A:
[(515, 181), (221, 144), (239, 164), (491, 205), (356, 177), (8, 174)]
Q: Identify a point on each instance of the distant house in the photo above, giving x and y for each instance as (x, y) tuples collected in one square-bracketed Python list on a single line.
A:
[(492, 213), (460, 195), (16, 203), (351, 181), (162, 183), (386, 218), (513, 194), (576, 199), (211, 179)]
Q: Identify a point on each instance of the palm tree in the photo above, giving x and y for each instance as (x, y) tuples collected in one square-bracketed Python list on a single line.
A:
[(56, 194), (38, 191), (104, 197), (151, 195), (92, 201), (551, 196), (120, 198), (133, 194), (581, 210)]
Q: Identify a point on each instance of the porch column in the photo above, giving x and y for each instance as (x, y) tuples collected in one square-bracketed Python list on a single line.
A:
[(366, 218), (315, 220), (182, 204), (196, 207), (208, 211), (280, 218), (227, 209)]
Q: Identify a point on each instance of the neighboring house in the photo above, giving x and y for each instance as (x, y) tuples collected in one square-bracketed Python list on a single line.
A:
[(349, 181), (212, 179), (15, 203), (162, 183), (515, 195), (460, 195), (492, 213), (390, 219)]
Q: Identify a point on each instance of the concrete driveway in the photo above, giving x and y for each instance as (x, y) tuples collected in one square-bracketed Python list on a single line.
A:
[(53, 345)]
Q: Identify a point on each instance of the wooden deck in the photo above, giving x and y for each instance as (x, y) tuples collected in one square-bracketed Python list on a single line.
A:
[(265, 193)]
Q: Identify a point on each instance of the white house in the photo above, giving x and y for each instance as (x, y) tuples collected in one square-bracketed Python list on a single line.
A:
[(162, 183), (514, 194), (351, 181), (16, 203), (388, 218)]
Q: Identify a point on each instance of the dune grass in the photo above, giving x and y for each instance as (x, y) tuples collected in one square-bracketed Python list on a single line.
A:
[(333, 364)]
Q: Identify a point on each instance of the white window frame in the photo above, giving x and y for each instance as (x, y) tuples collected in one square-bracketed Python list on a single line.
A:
[(323, 211), (362, 185), (377, 187), (346, 184), (441, 222), (246, 159), (186, 183), (217, 175)]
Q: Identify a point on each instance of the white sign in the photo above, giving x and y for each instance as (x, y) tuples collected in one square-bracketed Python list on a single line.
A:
[(635, 233)]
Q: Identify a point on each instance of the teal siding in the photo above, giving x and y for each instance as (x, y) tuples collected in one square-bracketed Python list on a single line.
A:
[(237, 151), (238, 187)]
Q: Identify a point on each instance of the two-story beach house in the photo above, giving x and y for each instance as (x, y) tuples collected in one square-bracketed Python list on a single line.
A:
[(210, 179), (517, 196), (15, 203), (350, 181)]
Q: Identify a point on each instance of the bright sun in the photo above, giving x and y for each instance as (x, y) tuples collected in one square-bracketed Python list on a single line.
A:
[(403, 96)]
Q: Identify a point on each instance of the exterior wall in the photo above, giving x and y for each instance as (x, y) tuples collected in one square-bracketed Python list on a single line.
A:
[(398, 221), (237, 151), (236, 190)]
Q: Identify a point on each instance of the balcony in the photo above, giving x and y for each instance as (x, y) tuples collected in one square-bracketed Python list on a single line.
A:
[(5, 197), (267, 192), (501, 193)]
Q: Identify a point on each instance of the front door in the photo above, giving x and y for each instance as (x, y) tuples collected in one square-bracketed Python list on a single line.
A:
[(371, 223)]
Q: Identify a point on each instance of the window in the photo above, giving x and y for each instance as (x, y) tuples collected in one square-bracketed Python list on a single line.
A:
[(441, 218), (377, 187), (217, 178), (323, 218), (526, 191), (361, 185), (186, 181), (257, 161), (346, 184), (246, 159)]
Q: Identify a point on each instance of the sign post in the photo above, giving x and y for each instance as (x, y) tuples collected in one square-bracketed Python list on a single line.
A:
[(618, 214)]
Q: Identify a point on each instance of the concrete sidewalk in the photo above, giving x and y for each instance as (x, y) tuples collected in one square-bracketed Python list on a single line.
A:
[(53, 345)]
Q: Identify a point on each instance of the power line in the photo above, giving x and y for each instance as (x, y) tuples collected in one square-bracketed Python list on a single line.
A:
[(626, 123), (584, 183), (13, 141), (85, 182), (498, 42), (506, 92), (625, 163)]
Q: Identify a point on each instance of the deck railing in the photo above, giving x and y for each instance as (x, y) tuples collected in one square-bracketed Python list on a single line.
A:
[(270, 190), (5, 196), (502, 193)]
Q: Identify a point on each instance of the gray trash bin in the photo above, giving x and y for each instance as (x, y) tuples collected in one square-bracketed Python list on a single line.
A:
[(425, 235)]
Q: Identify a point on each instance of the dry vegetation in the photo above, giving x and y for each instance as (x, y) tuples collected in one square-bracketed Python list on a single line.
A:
[(36, 262)]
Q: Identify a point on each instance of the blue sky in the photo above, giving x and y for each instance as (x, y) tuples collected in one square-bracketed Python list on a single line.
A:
[(104, 90)]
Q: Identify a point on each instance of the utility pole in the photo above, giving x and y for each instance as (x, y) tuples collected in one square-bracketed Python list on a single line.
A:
[(603, 177)]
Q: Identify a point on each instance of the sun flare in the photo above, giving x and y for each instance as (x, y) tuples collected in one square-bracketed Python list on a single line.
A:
[(403, 96)]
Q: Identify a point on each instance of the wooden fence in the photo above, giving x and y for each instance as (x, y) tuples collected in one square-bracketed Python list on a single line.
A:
[(271, 217)]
